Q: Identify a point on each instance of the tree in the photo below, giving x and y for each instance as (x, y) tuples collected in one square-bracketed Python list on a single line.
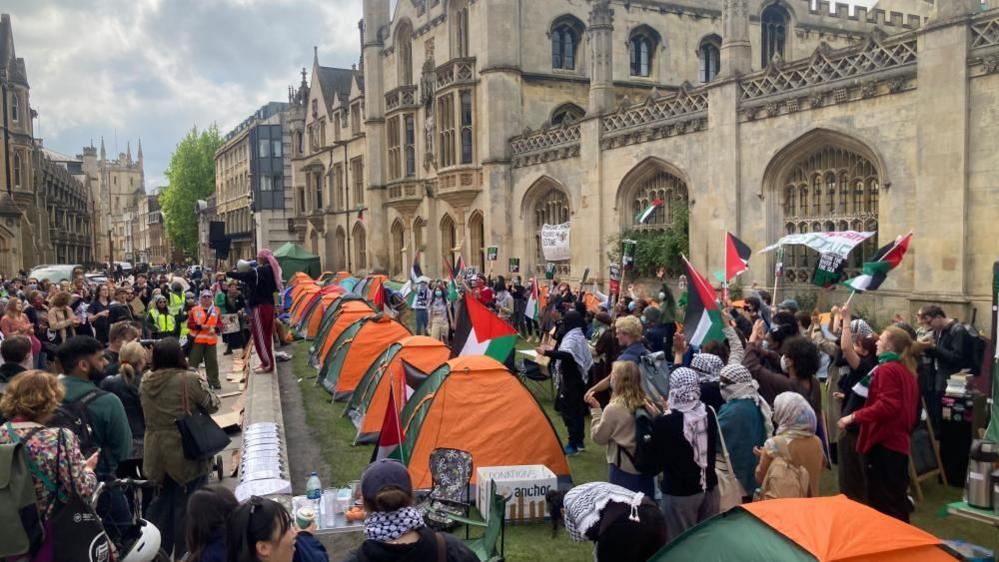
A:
[(656, 248), (192, 176)]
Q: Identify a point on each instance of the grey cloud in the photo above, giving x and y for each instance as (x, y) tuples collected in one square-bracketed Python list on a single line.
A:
[(154, 68)]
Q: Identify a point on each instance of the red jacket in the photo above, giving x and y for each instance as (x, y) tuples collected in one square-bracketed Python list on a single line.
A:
[(890, 413)]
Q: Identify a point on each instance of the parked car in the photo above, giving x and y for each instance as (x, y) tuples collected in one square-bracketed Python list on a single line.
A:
[(54, 273)]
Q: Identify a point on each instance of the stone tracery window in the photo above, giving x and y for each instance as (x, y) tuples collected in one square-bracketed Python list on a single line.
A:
[(709, 54), (360, 247), (660, 185), (551, 208), (404, 59), (398, 238), (567, 113), (836, 189), (449, 238), (773, 23), (477, 241), (566, 32)]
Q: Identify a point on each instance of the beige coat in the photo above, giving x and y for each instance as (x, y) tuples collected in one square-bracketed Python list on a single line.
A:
[(615, 428)]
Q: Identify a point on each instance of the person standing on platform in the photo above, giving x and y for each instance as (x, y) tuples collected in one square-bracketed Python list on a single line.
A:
[(262, 281), (204, 326)]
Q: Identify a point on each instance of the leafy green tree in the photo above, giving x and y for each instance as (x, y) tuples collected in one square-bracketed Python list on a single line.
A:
[(192, 176), (656, 248)]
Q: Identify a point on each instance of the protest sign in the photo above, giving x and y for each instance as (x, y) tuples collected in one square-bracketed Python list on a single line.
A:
[(828, 270), (230, 323), (514, 265), (549, 270), (615, 279), (628, 253), (492, 253), (555, 242), (836, 243)]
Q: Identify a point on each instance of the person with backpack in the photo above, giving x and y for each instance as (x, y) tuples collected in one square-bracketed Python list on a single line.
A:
[(886, 422), (52, 454), (125, 385), (948, 348), (685, 440), (97, 417), (573, 360), (791, 461), (394, 528), (616, 427), (629, 332)]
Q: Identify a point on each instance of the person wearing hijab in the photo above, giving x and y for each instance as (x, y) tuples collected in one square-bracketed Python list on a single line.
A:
[(685, 439), (573, 360), (262, 281), (745, 422), (795, 440)]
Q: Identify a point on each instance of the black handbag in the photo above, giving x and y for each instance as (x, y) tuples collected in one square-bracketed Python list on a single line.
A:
[(200, 436), (77, 530)]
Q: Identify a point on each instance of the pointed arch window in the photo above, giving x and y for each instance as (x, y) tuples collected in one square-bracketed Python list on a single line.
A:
[(567, 113), (419, 226), (773, 23), (398, 238), (15, 107), (340, 253), (404, 53), (709, 54), (566, 32), (837, 189), (360, 248), (658, 186), (642, 44), (18, 172), (477, 241), (449, 238), (552, 207), (459, 28)]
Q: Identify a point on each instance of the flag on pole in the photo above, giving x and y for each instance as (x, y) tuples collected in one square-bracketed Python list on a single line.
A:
[(737, 255), (532, 310), (646, 215), (703, 322), (390, 439), (886, 259), (478, 331), (410, 289)]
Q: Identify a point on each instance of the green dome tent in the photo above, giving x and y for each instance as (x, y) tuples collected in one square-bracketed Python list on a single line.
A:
[(294, 258)]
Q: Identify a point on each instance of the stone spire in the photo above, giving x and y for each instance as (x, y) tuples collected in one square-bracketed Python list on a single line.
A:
[(128, 152), (601, 30), (139, 152), (736, 52), (103, 152)]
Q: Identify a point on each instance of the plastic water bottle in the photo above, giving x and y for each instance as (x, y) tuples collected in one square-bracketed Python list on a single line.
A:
[(314, 491)]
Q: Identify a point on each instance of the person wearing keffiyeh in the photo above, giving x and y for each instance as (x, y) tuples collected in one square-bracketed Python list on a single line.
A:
[(685, 439), (624, 525), (745, 422), (573, 360)]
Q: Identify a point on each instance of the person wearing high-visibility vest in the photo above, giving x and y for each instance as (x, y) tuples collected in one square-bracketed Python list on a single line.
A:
[(161, 322), (205, 326), (175, 303)]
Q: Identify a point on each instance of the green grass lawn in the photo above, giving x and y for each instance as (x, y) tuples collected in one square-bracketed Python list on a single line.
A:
[(530, 542)]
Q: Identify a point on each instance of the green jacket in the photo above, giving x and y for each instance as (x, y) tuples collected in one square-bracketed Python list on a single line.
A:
[(160, 395), (109, 422)]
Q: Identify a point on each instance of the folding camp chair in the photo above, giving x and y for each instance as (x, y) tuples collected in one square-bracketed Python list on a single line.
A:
[(451, 470), (534, 378), (494, 530)]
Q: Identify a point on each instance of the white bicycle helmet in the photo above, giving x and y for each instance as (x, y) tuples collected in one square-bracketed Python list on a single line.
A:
[(146, 547)]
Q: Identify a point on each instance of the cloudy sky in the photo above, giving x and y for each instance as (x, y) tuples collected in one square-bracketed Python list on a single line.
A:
[(154, 68)]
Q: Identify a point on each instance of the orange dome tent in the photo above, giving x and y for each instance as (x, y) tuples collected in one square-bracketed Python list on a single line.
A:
[(807, 529), (339, 317), (354, 350), (313, 317), (473, 403), (367, 405)]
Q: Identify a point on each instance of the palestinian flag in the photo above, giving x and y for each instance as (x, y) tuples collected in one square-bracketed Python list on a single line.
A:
[(703, 322), (646, 215), (533, 309), (409, 290), (390, 439), (886, 259), (480, 332), (737, 255)]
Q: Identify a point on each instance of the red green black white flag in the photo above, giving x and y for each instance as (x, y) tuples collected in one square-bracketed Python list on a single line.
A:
[(876, 271), (391, 437), (646, 215), (737, 255), (478, 331), (703, 322)]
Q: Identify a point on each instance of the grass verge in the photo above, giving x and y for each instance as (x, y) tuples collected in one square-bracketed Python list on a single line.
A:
[(530, 542)]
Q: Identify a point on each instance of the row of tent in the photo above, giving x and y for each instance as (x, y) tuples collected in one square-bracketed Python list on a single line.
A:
[(473, 402)]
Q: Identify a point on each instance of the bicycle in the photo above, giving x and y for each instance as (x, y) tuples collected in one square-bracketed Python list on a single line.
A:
[(137, 540)]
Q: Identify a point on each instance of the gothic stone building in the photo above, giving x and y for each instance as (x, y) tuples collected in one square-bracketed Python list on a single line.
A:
[(46, 210), (474, 122)]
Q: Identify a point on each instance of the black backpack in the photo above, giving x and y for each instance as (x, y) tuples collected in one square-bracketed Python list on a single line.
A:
[(976, 349), (644, 459), (74, 417)]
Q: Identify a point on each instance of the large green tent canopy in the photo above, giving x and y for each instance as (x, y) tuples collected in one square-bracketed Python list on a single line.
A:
[(294, 258)]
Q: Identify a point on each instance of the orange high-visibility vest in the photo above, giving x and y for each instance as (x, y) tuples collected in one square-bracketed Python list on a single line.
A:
[(209, 321)]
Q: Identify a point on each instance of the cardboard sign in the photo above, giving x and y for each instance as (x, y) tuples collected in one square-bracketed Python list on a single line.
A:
[(230, 323), (514, 265), (615, 279), (828, 270), (492, 253), (526, 487), (628, 253), (555, 242)]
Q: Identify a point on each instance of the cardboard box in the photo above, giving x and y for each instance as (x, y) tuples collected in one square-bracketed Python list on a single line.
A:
[(525, 485)]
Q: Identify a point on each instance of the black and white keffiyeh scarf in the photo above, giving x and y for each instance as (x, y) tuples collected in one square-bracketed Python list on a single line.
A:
[(385, 526)]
